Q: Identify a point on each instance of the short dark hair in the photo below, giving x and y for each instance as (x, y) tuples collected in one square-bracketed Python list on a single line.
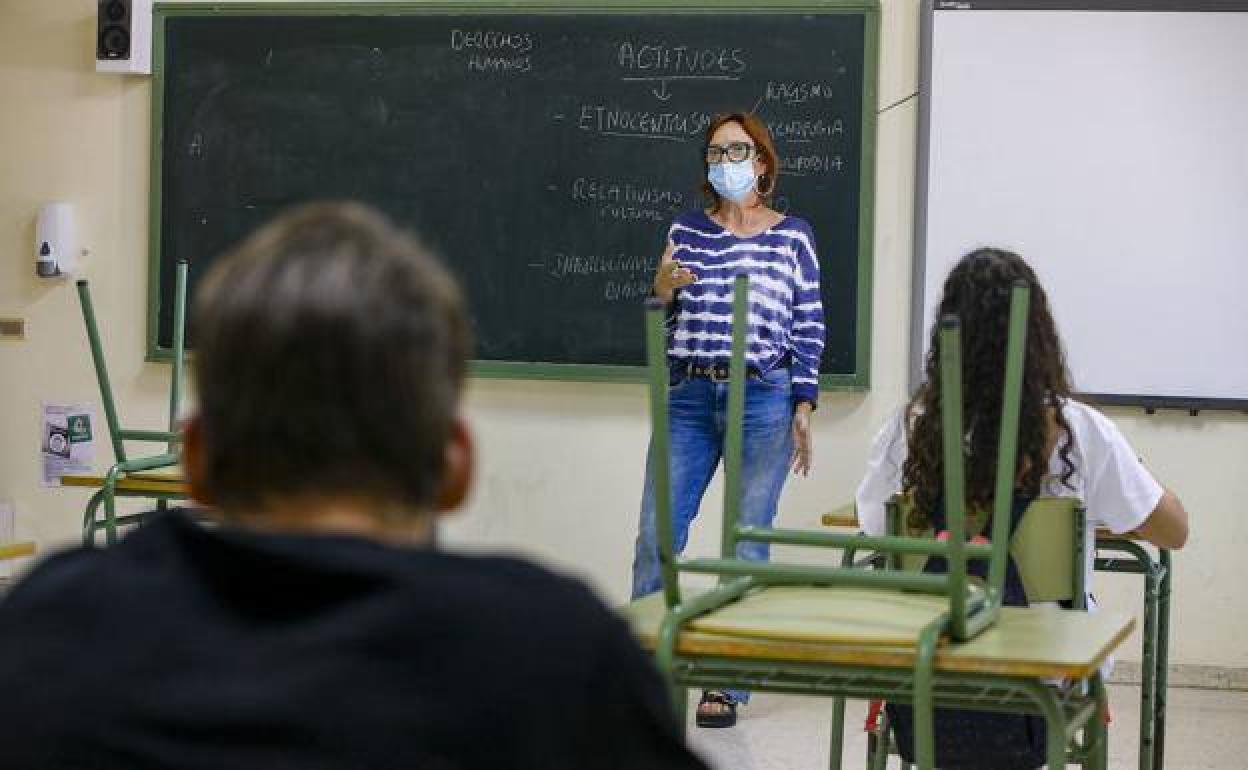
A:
[(330, 351)]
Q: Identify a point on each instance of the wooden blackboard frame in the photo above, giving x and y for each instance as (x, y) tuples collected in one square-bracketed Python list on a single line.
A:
[(858, 380)]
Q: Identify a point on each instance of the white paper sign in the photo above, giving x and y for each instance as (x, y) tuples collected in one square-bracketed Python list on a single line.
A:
[(67, 441)]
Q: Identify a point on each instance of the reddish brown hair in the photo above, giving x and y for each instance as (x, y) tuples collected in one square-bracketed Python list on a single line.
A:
[(757, 129)]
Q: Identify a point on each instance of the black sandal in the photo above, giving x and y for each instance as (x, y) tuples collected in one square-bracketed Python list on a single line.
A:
[(725, 718)]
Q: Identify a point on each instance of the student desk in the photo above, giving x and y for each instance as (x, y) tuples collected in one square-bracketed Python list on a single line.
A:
[(832, 642), (1155, 645), (154, 486), (16, 550)]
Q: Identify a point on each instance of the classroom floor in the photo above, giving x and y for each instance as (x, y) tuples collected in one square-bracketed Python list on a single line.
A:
[(1207, 730)]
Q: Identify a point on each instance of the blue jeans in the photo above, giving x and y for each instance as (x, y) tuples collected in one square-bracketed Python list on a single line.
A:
[(697, 414)]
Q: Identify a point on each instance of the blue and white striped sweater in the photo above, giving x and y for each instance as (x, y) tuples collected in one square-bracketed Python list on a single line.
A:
[(786, 310)]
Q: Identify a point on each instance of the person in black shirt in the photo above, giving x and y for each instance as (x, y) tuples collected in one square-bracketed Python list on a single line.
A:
[(314, 624)]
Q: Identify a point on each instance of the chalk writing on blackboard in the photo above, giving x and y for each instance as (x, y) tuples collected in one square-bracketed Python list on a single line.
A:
[(563, 265), (491, 50), (626, 201), (662, 63), (543, 155), (642, 124), (805, 130), (799, 93), (622, 277), (675, 60), (805, 165)]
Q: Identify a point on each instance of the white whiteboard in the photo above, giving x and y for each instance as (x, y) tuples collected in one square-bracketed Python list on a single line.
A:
[(1110, 150)]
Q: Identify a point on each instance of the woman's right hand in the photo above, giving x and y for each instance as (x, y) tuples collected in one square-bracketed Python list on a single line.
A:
[(671, 276)]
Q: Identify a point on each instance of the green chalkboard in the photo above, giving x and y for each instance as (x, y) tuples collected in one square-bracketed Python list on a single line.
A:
[(541, 150)]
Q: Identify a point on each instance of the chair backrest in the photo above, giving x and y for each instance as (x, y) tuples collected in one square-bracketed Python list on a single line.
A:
[(117, 434), (973, 605), (1048, 547)]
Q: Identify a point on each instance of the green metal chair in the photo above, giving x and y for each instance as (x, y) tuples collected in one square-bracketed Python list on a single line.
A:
[(124, 465), (1050, 550), (841, 631)]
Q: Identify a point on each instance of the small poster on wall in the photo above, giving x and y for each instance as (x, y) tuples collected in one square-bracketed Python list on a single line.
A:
[(68, 441)]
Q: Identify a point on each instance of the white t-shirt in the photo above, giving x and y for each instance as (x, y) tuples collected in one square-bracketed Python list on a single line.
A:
[(1116, 489)]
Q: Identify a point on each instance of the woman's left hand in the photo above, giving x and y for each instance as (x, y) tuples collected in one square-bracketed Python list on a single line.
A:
[(802, 443)]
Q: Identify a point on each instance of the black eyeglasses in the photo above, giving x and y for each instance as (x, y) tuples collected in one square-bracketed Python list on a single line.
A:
[(734, 152)]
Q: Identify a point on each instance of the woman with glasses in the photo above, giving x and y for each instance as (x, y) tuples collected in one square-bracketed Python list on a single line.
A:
[(738, 232)]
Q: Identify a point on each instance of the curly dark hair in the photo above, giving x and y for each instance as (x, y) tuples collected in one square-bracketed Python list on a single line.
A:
[(978, 292)]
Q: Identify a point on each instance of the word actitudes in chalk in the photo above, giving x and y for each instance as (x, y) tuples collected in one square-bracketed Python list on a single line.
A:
[(663, 59), (802, 165), (614, 120), (494, 50), (805, 130), (798, 93)]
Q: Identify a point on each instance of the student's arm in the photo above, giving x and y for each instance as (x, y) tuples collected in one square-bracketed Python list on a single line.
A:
[(1122, 494), (1166, 526), (807, 332), (883, 476)]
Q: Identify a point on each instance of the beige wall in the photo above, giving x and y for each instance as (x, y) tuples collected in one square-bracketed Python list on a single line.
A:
[(561, 464)]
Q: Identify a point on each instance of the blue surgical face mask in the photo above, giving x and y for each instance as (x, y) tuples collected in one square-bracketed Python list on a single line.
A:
[(734, 181)]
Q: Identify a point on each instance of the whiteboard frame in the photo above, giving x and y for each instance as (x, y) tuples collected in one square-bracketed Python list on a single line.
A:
[(918, 334)]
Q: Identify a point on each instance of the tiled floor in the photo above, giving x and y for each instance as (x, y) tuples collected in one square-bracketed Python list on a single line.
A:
[(1207, 730)]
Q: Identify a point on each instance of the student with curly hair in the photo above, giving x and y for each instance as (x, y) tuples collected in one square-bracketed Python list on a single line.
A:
[(1065, 449)]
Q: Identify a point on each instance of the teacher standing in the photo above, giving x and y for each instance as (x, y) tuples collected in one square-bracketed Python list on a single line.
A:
[(738, 233)]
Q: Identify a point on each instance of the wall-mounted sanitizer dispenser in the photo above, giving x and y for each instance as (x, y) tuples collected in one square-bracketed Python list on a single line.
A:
[(56, 242)]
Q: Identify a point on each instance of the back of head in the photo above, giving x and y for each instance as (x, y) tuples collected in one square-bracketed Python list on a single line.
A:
[(978, 291), (330, 351)]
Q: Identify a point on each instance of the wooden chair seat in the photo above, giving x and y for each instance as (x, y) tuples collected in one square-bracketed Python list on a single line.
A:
[(863, 616), (805, 624)]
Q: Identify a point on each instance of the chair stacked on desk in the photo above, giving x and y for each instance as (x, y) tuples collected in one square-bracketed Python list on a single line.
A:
[(1157, 572), (130, 476), (927, 640)]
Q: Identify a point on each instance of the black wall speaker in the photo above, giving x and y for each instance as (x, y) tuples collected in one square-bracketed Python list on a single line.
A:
[(123, 36), (112, 29)]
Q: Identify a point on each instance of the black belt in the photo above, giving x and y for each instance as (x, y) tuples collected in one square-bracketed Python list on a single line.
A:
[(720, 372)]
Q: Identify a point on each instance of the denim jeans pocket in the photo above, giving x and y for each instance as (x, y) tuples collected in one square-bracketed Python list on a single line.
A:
[(677, 375), (775, 380)]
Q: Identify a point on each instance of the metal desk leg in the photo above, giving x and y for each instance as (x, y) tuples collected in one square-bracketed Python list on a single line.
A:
[(1163, 661), (836, 738), (680, 704), (837, 735), (1097, 730), (877, 750), (1148, 672), (1153, 654)]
